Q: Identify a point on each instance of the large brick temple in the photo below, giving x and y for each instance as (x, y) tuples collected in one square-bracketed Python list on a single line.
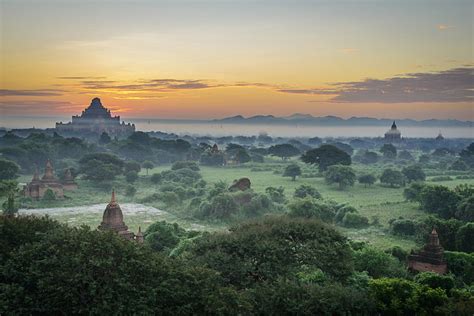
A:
[(96, 119)]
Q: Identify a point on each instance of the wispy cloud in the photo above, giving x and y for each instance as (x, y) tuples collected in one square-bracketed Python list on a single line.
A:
[(79, 78), (454, 85), (348, 50), (35, 106), (443, 27), (31, 93)]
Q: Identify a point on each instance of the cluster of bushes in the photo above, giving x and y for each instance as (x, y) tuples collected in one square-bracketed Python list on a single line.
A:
[(442, 201)]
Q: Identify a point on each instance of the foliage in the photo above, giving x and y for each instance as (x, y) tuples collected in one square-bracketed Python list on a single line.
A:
[(284, 151), (354, 220), (277, 195), (405, 155), (325, 156), (49, 195), (413, 192), (267, 249), (392, 177), (414, 173), (164, 236), (131, 176), (377, 263), (305, 190), (404, 227), (130, 190), (342, 211), (8, 169), (388, 151), (185, 164), (310, 208), (461, 264), (465, 238), (10, 208), (403, 297), (467, 155), (439, 200), (434, 280), (344, 176), (43, 275), (132, 166), (7, 187), (367, 179), (147, 165), (221, 206), (292, 171), (465, 209)]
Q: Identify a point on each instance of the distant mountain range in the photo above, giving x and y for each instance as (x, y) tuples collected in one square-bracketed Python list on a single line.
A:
[(307, 119)]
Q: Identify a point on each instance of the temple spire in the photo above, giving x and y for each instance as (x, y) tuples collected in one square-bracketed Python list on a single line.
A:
[(112, 200), (36, 175)]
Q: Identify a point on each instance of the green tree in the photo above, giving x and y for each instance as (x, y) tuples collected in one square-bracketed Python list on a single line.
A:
[(467, 155), (367, 179), (7, 187), (8, 169), (147, 165), (10, 208), (414, 173), (284, 151), (393, 178), (185, 164), (268, 249), (434, 280), (131, 176), (276, 194), (325, 156), (389, 151), (439, 200), (465, 238), (344, 176), (132, 166), (241, 156), (355, 220), (292, 171), (377, 263), (465, 209), (413, 192)]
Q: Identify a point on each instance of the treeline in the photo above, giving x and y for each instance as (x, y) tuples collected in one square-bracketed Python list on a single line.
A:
[(275, 265)]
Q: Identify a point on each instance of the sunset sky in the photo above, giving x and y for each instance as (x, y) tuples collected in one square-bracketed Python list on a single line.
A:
[(217, 58)]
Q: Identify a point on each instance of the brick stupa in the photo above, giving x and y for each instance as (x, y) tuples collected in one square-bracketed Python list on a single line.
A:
[(430, 258)]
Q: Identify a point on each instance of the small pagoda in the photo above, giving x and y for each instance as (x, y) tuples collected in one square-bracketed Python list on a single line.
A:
[(112, 220), (430, 258)]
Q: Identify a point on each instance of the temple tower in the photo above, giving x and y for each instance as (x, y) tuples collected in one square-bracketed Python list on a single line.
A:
[(430, 258)]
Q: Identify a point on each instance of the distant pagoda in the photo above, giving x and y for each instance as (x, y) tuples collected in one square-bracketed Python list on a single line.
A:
[(96, 119), (112, 220), (393, 134), (430, 258), (38, 187)]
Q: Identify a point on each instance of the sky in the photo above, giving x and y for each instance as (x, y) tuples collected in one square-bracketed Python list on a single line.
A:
[(218, 58)]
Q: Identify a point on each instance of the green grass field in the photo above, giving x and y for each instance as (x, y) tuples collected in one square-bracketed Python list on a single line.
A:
[(375, 201)]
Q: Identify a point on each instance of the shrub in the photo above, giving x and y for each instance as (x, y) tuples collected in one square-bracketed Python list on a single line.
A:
[(354, 220), (461, 264), (131, 176), (465, 209), (305, 190), (342, 175), (130, 190), (404, 227), (309, 208), (413, 192), (341, 212), (434, 280), (221, 206), (49, 195), (156, 178), (377, 263), (277, 195), (398, 252), (367, 179), (185, 164)]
